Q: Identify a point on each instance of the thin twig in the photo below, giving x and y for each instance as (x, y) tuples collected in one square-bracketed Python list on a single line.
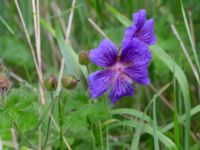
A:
[(57, 11), (97, 28), (191, 25), (71, 15), (59, 87), (68, 42), (186, 53), (1, 145), (14, 137), (36, 18), (170, 106), (62, 70), (29, 42), (190, 37), (17, 78)]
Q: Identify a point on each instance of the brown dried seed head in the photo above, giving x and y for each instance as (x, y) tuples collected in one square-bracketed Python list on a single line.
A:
[(4, 83)]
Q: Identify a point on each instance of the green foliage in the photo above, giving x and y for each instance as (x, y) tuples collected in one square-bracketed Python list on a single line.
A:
[(19, 108), (80, 121)]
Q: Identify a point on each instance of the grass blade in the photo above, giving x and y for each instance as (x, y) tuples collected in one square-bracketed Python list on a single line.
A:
[(183, 83), (190, 36), (132, 112), (176, 129), (7, 26), (185, 51), (156, 144), (142, 116), (125, 21), (181, 119), (148, 129)]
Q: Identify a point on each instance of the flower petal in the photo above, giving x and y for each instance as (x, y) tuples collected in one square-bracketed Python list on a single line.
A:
[(139, 18), (105, 54), (139, 74), (120, 88), (142, 29), (146, 33), (129, 33), (99, 82), (135, 52)]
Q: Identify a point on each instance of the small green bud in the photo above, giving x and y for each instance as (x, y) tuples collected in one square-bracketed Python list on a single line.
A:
[(69, 82), (84, 57), (4, 83), (51, 83)]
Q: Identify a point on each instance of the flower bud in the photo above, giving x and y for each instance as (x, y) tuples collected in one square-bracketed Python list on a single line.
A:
[(4, 83), (84, 57), (51, 83), (69, 82)]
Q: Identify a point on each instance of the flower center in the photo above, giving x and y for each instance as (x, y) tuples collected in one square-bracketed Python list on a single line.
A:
[(118, 68)]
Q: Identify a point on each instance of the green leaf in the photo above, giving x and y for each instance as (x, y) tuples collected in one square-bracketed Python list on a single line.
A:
[(47, 27), (68, 53), (70, 56)]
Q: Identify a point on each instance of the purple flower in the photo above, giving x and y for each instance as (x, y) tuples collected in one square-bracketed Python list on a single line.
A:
[(120, 71), (142, 29)]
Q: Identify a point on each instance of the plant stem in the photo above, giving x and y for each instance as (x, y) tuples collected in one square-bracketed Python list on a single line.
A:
[(47, 133), (101, 135), (60, 122), (88, 69), (49, 122)]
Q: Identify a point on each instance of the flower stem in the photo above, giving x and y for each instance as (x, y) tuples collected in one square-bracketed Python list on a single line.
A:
[(49, 122), (101, 135), (88, 69), (60, 122), (47, 133)]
